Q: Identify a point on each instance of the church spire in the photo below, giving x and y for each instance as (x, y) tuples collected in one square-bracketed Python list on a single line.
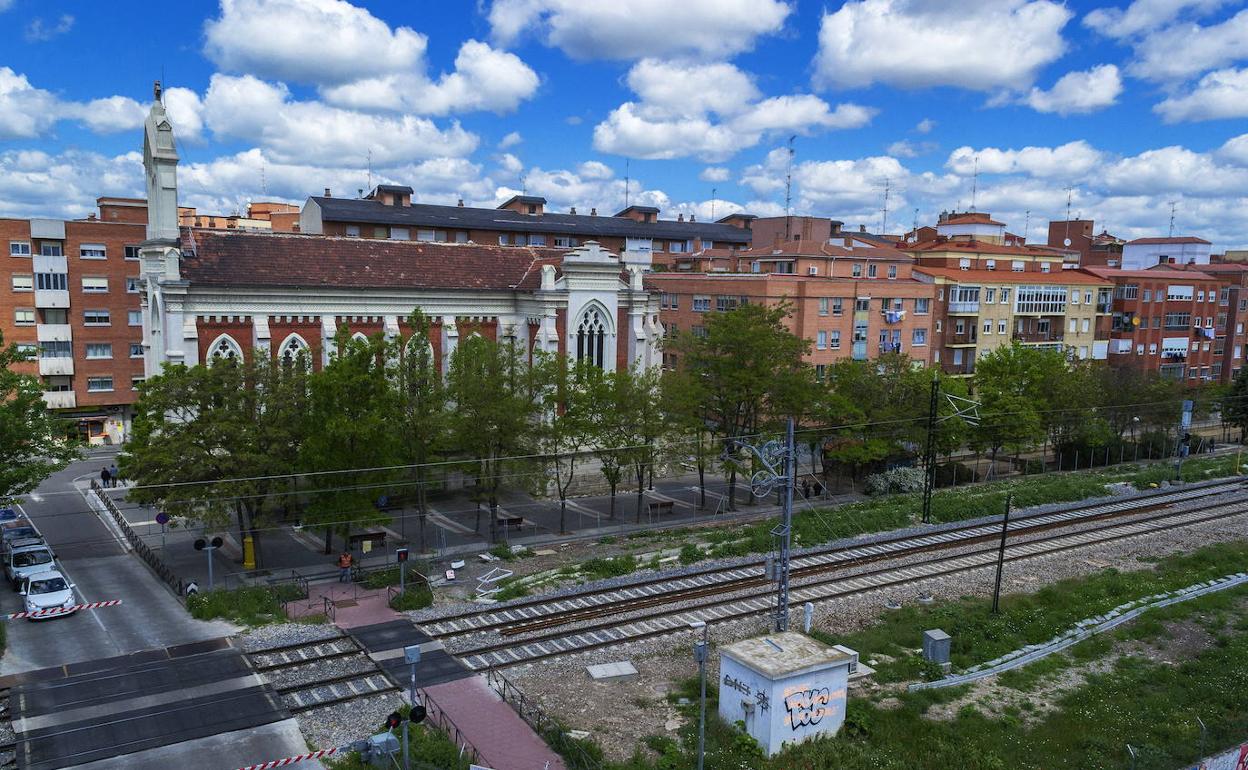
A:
[(160, 164)]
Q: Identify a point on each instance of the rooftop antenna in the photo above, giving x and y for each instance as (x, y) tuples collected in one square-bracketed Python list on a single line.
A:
[(524, 184), (975, 183), (370, 168), (713, 191), (1173, 205), (884, 219), (1027, 226), (627, 183), (916, 223), (788, 193), (1070, 191), (264, 186)]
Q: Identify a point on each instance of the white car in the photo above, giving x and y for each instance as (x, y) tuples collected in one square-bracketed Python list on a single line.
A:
[(48, 590)]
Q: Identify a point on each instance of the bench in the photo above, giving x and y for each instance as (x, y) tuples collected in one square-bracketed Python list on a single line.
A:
[(509, 520), (660, 508)]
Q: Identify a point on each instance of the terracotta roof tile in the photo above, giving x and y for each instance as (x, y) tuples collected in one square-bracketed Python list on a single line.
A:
[(1163, 241), (1057, 277)]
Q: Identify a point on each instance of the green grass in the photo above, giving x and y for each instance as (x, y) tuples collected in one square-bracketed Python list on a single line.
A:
[(1027, 678), (428, 746), (601, 569), (249, 606), (978, 635), (416, 597), (384, 578)]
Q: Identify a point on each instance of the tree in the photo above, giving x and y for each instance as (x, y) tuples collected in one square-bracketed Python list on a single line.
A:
[(641, 418), (351, 441), (1236, 402), (1012, 385), (422, 404), (218, 441), (494, 414), (684, 405), (567, 422), (746, 362), (32, 443)]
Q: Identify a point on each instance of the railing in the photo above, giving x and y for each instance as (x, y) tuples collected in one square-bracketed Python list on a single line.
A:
[(331, 611), (154, 561), (434, 715), (546, 726), (962, 308), (963, 338), (1038, 336)]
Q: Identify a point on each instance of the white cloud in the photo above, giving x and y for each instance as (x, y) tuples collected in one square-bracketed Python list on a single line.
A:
[(925, 126), (1143, 16), (1078, 92), (511, 140), (1184, 50), (65, 185), (1174, 170), (714, 174), (5, 5), (38, 31), (709, 111), (309, 41), (980, 45), (25, 111), (1235, 150), (186, 112), (108, 115), (1219, 94), (609, 29), (311, 132), (484, 79), (595, 170), (1068, 161), (905, 148)]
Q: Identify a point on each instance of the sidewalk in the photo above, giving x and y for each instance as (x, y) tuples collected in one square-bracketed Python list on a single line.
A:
[(503, 740), (348, 605)]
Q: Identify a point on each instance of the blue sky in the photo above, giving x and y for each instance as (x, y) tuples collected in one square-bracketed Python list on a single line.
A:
[(1133, 105)]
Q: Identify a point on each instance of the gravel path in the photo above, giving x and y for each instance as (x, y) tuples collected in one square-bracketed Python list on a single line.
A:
[(268, 637), (342, 723), (320, 670)]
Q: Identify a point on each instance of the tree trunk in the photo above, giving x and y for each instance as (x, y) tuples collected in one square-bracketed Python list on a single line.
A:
[(611, 515), (329, 540), (641, 489), (701, 484), (563, 513), (732, 488), (476, 524)]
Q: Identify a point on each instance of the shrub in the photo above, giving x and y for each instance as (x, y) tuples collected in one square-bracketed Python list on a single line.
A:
[(691, 554), (897, 480)]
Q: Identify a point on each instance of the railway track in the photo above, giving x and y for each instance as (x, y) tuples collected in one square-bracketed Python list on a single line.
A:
[(533, 614), (335, 690), (8, 739), (511, 652), (310, 675), (306, 652)]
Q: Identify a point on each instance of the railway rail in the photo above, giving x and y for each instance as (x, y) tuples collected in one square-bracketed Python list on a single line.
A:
[(335, 690), (532, 614), (8, 739), (718, 608), (317, 684)]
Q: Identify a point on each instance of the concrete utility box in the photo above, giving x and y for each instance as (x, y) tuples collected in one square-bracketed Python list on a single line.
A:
[(785, 687), (936, 646)]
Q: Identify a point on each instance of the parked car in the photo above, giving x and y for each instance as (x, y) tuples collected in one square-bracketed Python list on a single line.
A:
[(27, 557), (9, 514), (47, 590), (18, 529)]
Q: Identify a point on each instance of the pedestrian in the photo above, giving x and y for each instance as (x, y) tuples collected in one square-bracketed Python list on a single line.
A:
[(105, 477), (805, 489), (344, 567), (114, 476)]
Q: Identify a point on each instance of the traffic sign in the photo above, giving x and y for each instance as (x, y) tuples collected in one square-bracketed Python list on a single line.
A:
[(162, 518)]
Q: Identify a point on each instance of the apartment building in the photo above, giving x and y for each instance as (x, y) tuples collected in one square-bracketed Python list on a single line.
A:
[(72, 296), (832, 259), (976, 241), (1090, 249), (263, 216), (637, 233), (1143, 253), (842, 317), (979, 311), (1175, 323)]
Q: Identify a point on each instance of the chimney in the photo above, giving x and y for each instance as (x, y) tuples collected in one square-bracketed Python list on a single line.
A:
[(691, 218), (593, 212), (862, 228), (327, 193), (572, 210), (461, 203), (680, 217), (359, 192)]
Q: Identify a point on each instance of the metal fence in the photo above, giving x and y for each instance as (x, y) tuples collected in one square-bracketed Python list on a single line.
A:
[(550, 729), (162, 570), (435, 716)]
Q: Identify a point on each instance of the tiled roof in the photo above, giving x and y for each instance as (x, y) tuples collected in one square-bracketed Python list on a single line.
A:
[(1163, 241), (980, 247), (425, 215), (226, 258), (813, 248), (1169, 274), (971, 218), (1055, 278)]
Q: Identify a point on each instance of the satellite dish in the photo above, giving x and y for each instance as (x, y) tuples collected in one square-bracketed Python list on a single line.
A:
[(1066, 242)]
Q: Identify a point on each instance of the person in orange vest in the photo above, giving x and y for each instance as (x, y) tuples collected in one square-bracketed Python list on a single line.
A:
[(344, 567)]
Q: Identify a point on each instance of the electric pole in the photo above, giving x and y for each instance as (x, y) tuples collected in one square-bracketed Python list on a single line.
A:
[(779, 466), (929, 457)]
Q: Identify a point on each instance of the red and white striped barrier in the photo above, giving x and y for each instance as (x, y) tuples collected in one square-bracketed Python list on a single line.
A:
[(61, 610), (292, 760)]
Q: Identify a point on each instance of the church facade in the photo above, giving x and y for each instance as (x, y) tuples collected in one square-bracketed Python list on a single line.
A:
[(211, 294)]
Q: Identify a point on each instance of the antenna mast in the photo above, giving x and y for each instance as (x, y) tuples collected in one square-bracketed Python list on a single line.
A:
[(975, 183), (1173, 204), (884, 218), (713, 191), (264, 186), (1027, 226), (788, 193), (626, 182), (1070, 191)]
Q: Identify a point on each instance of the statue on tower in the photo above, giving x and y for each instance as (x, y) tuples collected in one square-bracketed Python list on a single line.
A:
[(160, 164)]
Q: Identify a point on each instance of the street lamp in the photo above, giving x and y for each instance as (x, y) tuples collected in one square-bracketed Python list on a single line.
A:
[(699, 654)]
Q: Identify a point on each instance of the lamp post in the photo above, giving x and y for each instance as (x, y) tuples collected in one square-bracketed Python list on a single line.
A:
[(699, 654)]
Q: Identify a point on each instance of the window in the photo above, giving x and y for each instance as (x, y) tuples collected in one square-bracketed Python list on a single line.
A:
[(55, 316), (51, 281), (1041, 299), (427, 235), (1152, 348), (939, 324), (134, 317), (1005, 296), (50, 250), (94, 285), (821, 341), (136, 349), (698, 331), (988, 327), (225, 349), (63, 349), (99, 384), (820, 371), (132, 285), (1074, 296), (857, 270), (1017, 266), (1085, 325), (132, 252), (755, 267), (701, 304), (352, 231), (668, 301), (835, 340), (1074, 325), (784, 268), (27, 349), (99, 350), (565, 242), (1044, 267), (1156, 322), (1181, 293), (23, 282), (1087, 298), (400, 234), (964, 264), (24, 316), (19, 248), (990, 264), (921, 305), (724, 303), (135, 381), (502, 239), (812, 270), (537, 239), (1001, 326), (862, 304), (919, 337), (1200, 296), (461, 237), (1139, 350), (1178, 320), (92, 251), (823, 306), (96, 318), (871, 270), (678, 247), (838, 306), (990, 295)]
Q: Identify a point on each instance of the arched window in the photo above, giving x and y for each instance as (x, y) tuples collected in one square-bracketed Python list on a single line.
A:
[(291, 349), (225, 348), (591, 337), (359, 337)]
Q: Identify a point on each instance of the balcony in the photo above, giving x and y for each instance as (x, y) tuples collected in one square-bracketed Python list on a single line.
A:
[(60, 399), (51, 298), (1174, 355), (1104, 308), (963, 338), (890, 347), (964, 308), (1028, 338), (893, 316), (960, 370), (54, 333), (52, 367)]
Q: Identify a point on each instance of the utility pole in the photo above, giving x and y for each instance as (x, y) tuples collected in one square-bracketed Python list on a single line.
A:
[(1005, 527), (788, 193), (779, 466), (699, 653), (626, 181), (929, 457), (713, 191), (975, 184), (1173, 205)]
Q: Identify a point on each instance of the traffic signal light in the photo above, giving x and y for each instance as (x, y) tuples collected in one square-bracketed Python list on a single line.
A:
[(401, 555), (418, 713), (394, 720)]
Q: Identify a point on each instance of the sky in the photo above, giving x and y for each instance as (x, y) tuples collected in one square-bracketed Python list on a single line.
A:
[(1130, 110)]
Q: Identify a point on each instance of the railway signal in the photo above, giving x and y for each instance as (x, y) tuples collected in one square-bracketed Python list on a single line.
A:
[(208, 547)]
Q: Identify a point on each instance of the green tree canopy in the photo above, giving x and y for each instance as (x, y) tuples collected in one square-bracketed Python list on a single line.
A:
[(32, 441)]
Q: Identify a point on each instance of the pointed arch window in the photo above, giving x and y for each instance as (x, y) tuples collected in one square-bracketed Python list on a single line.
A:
[(291, 350), (591, 337), (225, 349)]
